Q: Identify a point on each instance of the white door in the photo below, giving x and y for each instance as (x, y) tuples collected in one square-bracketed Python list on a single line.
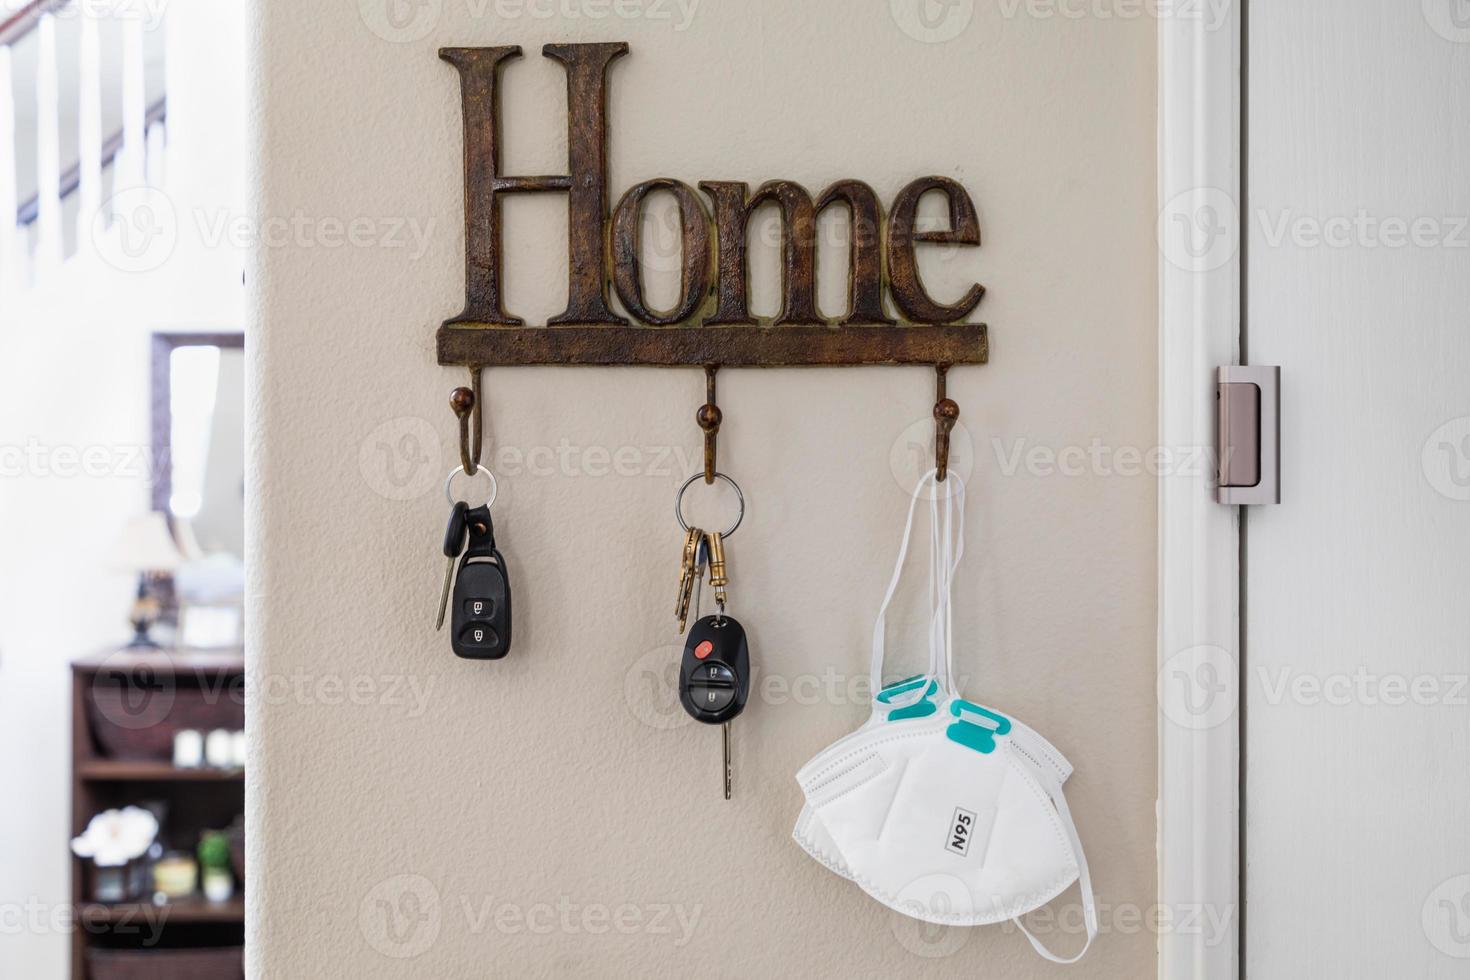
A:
[(1357, 586)]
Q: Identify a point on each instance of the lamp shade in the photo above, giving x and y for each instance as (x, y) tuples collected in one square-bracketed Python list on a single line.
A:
[(145, 545)]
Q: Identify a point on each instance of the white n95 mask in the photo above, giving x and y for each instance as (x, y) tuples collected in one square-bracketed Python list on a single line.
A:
[(944, 809)]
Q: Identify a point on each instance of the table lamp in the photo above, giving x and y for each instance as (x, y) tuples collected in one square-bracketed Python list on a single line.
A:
[(145, 547)]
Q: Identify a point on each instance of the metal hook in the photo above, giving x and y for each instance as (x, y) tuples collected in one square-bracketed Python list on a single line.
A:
[(477, 440), (466, 405), (709, 417), (946, 413)]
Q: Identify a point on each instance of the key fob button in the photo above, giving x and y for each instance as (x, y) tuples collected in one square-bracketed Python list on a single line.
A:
[(716, 674), (479, 608), (479, 636), (710, 698)]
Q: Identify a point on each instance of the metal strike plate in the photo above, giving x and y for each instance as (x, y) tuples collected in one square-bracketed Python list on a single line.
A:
[(1248, 435)]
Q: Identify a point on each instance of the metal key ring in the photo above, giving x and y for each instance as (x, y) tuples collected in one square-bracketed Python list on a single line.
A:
[(494, 484), (679, 502)]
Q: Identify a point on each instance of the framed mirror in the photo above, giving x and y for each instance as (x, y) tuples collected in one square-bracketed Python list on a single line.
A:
[(198, 437)]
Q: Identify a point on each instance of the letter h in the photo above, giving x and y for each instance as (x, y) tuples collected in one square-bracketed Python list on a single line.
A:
[(585, 186)]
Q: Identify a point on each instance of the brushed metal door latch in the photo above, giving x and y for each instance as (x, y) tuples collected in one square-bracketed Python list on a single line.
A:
[(1248, 435)]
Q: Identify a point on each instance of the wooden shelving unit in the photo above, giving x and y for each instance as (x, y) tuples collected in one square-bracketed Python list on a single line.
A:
[(123, 770), (167, 690), (188, 911)]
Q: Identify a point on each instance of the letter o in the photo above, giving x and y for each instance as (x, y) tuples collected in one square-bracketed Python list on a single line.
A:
[(694, 272)]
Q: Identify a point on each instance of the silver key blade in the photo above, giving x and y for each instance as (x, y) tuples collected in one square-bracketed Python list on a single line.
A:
[(444, 595), (725, 728)]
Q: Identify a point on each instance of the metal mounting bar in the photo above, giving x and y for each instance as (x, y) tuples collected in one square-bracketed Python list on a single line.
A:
[(1248, 435), (491, 345)]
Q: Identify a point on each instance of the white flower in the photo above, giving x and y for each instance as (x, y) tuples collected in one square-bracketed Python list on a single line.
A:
[(115, 837)]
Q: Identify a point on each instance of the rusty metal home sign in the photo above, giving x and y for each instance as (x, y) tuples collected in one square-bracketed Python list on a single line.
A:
[(711, 324)]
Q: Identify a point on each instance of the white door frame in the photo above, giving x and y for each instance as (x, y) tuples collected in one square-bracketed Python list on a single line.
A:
[(1199, 539)]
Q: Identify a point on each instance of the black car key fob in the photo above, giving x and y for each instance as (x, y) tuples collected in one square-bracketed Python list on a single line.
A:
[(714, 675), (480, 606)]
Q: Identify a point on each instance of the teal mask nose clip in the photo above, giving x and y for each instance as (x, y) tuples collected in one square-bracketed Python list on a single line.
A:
[(980, 737), (919, 706)]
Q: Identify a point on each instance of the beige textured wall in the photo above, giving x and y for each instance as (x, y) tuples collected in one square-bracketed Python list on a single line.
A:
[(552, 814)]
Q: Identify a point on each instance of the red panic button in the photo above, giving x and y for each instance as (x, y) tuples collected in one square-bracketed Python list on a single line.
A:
[(704, 650)]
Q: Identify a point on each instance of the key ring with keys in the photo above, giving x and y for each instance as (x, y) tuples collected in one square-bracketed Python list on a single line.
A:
[(449, 480), (679, 502)]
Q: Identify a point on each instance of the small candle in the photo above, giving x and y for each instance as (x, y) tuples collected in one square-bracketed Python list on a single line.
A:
[(188, 748), (218, 748)]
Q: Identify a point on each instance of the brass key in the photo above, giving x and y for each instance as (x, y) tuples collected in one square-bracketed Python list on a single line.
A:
[(717, 578), (689, 572)]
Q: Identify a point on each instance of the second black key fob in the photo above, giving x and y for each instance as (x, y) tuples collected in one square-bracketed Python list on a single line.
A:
[(714, 674)]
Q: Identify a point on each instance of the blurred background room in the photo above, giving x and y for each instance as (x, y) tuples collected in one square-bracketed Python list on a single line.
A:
[(123, 234)]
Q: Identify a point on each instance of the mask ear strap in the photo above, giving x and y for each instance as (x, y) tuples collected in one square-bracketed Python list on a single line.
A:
[(936, 591), (876, 668), (1084, 880), (949, 548)]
